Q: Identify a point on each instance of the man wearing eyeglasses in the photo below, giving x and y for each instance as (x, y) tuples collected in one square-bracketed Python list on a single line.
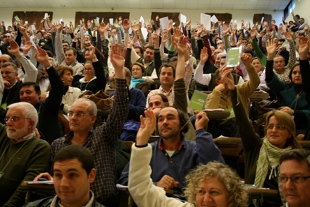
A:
[(101, 141), (22, 154), (294, 177)]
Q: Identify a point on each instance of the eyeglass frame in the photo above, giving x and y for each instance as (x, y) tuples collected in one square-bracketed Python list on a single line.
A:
[(296, 179), (278, 126)]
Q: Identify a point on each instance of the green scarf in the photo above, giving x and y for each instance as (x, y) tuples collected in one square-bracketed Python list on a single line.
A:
[(269, 155)]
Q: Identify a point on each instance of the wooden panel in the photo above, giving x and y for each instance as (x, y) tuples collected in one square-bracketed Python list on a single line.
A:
[(32, 16), (258, 18), (94, 15), (170, 15)]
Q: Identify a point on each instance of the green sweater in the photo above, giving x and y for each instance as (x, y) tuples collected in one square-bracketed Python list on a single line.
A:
[(32, 158)]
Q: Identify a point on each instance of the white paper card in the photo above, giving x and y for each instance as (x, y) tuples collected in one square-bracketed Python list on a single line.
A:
[(141, 20), (183, 18), (111, 21), (164, 22), (205, 19), (144, 32), (214, 19), (45, 15)]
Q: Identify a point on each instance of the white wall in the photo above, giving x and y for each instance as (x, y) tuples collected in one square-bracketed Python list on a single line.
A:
[(68, 14), (301, 8)]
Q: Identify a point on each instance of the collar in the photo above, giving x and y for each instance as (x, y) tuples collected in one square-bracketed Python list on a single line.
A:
[(68, 137), (56, 201), (25, 138), (82, 80), (161, 145), (12, 85), (165, 92)]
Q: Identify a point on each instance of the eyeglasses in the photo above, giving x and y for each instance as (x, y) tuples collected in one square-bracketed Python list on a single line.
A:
[(218, 43), (297, 179), (7, 36), (6, 72), (134, 69), (13, 119), (278, 127), (78, 114), (88, 69)]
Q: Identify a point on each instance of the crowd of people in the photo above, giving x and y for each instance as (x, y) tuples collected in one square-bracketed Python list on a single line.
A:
[(50, 128)]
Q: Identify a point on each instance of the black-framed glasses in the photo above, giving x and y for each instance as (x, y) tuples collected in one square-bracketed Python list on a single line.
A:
[(296, 179)]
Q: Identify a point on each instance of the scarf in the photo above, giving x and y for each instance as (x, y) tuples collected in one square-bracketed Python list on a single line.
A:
[(269, 156)]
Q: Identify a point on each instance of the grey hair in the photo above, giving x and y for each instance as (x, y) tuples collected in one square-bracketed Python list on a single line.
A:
[(28, 111), (92, 108)]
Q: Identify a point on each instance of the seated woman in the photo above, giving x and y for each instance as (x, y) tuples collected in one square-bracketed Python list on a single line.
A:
[(291, 96), (71, 93), (94, 78), (213, 184), (262, 154)]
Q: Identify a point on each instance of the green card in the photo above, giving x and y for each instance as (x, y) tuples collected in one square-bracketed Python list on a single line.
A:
[(232, 113), (198, 100), (17, 18), (233, 56)]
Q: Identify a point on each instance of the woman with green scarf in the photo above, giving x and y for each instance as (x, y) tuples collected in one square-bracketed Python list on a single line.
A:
[(262, 154)]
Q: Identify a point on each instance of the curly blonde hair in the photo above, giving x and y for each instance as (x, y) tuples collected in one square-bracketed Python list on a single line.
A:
[(237, 196)]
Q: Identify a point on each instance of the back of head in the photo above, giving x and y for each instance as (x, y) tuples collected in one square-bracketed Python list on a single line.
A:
[(76, 152)]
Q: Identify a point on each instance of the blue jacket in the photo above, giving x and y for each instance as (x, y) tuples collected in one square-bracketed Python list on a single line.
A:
[(181, 162)]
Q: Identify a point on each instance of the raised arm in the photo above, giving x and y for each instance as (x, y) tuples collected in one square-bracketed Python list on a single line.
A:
[(60, 55), (31, 71)]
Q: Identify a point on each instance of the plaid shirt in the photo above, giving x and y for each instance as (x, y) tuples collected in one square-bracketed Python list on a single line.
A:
[(101, 143)]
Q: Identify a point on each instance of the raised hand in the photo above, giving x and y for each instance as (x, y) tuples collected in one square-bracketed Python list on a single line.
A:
[(13, 48), (42, 57), (246, 60), (147, 127), (92, 54), (27, 47), (135, 27), (225, 29), (202, 120), (117, 60), (204, 55), (288, 36), (103, 27), (253, 32), (303, 48), (181, 46), (227, 78), (271, 47), (60, 28), (126, 24)]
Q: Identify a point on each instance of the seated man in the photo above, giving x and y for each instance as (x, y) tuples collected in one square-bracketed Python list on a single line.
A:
[(177, 87), (101, 141), (74, 171), (47, 109), (173, 156), (23, 155), (294, 177)]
